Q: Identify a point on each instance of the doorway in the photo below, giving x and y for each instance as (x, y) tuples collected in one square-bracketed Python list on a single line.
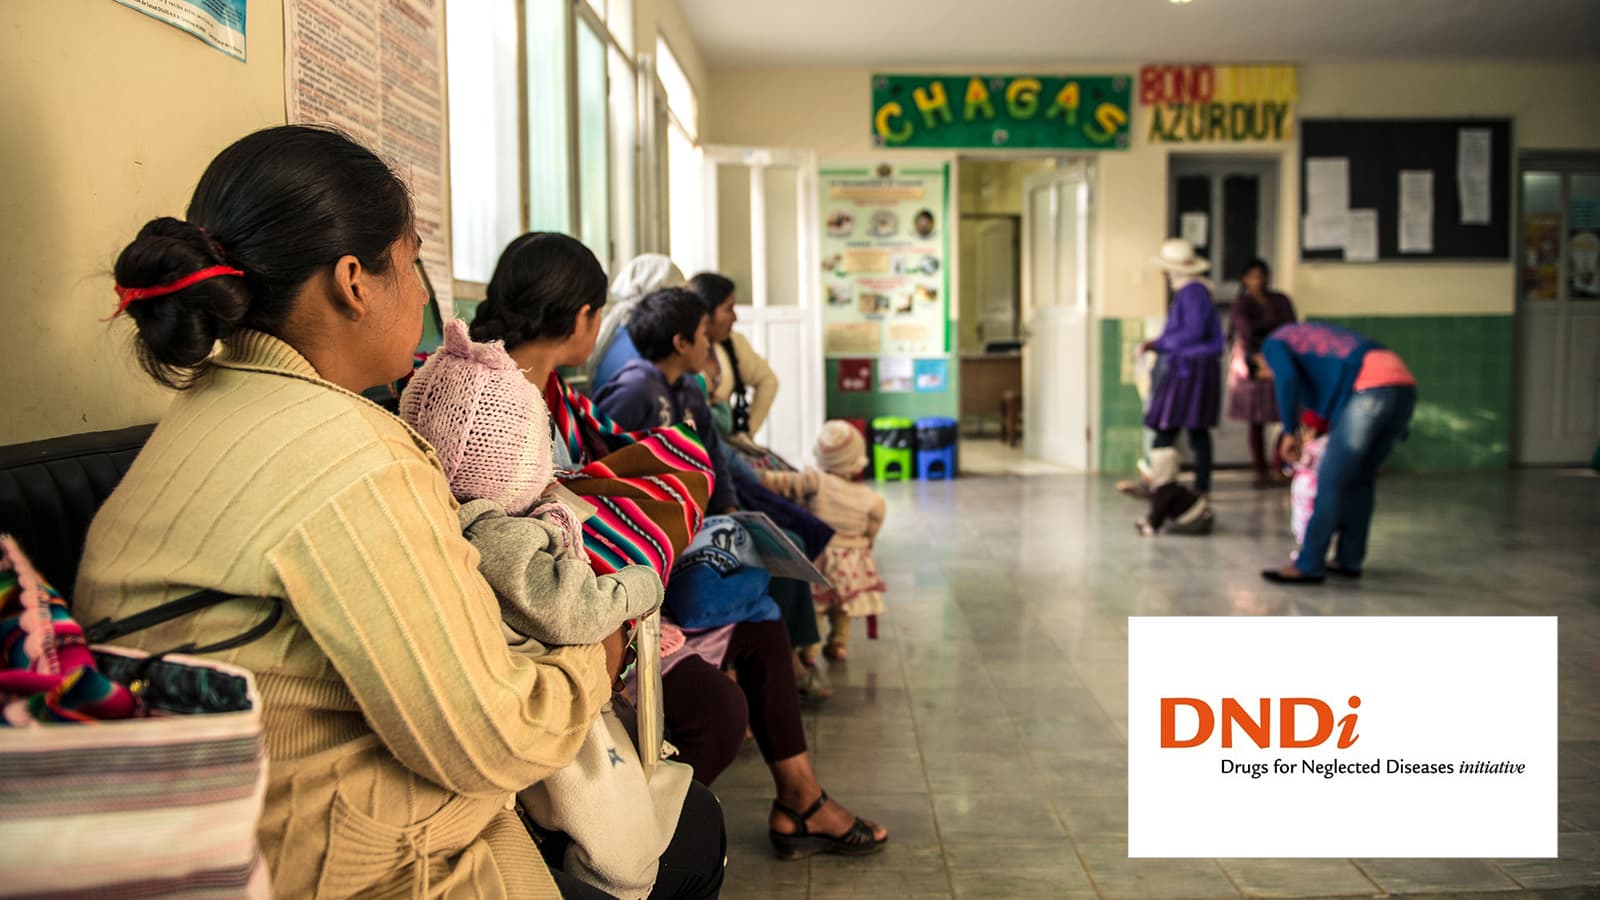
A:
[(1558, 309), (760, 230), (1227, 206)]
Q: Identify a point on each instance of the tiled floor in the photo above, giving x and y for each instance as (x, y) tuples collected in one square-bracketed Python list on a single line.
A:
[(987, 726)]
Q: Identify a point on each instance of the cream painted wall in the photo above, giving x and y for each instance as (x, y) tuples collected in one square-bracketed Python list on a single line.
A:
[(826, 110), (112, 116)]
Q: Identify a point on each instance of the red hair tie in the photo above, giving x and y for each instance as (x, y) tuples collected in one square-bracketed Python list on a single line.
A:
[(128, 295)]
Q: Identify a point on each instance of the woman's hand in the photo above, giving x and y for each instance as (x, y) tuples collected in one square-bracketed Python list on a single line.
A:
[(1262, 369), (1147, 346), (1289, 447)]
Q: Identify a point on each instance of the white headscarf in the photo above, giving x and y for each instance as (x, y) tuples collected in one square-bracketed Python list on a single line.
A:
[(647, 273)]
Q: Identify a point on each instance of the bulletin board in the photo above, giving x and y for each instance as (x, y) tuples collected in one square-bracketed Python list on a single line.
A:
[(1467, 186), (885, 260)]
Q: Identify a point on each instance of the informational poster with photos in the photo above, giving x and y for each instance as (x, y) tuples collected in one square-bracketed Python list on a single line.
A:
[(885, 254)]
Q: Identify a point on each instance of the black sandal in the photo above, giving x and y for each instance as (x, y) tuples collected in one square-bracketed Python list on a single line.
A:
[(857, 841)]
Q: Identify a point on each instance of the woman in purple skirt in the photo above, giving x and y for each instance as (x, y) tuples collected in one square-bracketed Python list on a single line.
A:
[(1188, 391), (1257, 313)]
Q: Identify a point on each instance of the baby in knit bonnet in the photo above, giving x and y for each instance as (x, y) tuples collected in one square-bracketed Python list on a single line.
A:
[(855, 512), (491, 432)]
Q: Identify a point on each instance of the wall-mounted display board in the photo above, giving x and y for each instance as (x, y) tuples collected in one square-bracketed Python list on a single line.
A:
[(885, 253), (1397, 189)]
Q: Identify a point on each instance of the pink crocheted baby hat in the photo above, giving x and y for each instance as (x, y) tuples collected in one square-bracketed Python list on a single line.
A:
[(841, 449), (488, 425)]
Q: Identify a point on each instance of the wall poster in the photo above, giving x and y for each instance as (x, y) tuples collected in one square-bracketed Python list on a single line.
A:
[(219, 23), (885, 251), (375, 70), (1541, 256), (1583, 250)]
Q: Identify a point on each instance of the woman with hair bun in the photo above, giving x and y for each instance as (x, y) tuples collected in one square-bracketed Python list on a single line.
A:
[(397, 722)]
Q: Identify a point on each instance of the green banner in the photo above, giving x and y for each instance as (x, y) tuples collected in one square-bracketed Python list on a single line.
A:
[(1065, 112)]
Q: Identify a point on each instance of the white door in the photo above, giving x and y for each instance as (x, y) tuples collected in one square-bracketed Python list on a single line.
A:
[(1057, 363), (760, 231), (996, 278), (1558, 312)]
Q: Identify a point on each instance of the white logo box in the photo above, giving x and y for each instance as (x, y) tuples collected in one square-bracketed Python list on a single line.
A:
[(1433, 691)]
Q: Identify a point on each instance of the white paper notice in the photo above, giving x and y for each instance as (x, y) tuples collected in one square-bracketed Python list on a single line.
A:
[(1327, 231), (376, 71), (1196, 228), (895, 374), (1416, 212), (1327, 186), (1363, 243), (1472, 174)]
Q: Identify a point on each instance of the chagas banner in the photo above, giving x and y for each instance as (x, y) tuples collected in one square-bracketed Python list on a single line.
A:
[(1073, 112), (1219, 103)]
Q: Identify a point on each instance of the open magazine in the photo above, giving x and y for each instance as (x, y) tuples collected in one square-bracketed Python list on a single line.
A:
[(778, 554)]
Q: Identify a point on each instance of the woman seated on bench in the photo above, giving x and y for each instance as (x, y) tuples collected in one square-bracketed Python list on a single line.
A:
[(397, 722)]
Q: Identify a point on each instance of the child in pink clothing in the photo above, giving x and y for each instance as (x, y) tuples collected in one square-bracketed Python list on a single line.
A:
[(855, 512), (1303, 485)]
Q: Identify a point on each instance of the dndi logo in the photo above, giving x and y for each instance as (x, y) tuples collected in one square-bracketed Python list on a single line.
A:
[(1259, 728)]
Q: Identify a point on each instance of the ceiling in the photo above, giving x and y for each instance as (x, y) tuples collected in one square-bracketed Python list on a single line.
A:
[(1023, 32)]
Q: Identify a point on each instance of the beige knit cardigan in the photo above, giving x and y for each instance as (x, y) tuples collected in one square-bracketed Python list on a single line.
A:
[(398, 725)]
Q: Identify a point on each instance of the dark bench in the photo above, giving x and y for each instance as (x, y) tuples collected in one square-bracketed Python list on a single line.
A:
[(50, 490)]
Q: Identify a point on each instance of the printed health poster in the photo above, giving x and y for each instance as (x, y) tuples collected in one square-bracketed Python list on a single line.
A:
[(885, 259), (376, 70), (219, 23)]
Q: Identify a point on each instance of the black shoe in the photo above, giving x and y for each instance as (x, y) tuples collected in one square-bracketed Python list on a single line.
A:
[(1276, 577), (1341, 571)]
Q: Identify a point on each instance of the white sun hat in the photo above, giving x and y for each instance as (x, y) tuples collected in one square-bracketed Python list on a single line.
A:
[(1177, 256)]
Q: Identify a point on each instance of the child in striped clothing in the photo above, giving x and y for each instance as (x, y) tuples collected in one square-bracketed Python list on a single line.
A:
[(855, 512)]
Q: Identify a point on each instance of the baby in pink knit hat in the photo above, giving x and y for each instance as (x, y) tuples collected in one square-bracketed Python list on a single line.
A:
[(491, 432)]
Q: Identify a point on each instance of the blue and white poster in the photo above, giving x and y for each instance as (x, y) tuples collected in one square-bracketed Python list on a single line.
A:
[(932, 376), (219, 23)]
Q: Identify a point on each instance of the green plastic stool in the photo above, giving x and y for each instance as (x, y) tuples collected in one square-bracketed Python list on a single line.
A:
[(894, 453)]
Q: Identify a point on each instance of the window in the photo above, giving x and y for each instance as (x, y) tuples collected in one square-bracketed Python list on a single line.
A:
[(549, 175), (486, 205), (684, 191), (594, 119), (681, 102), (624, 97), (544, 128)]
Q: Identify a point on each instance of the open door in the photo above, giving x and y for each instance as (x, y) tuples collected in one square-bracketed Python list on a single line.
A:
[(760, 231), (1057, 352), (1558, 311)]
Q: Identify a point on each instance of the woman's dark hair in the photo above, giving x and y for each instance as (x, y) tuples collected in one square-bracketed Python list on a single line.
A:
[(666, 314), (540, 284), (1258, 263), (278, 205), (712, 288)]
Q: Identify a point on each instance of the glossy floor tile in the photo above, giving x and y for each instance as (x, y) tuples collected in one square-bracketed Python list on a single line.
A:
[(987, 726)]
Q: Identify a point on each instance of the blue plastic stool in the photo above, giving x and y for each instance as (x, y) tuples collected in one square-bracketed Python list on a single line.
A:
[(936, 448)]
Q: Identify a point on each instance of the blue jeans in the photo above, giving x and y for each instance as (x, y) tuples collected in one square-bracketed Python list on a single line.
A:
[(1366, 431)]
